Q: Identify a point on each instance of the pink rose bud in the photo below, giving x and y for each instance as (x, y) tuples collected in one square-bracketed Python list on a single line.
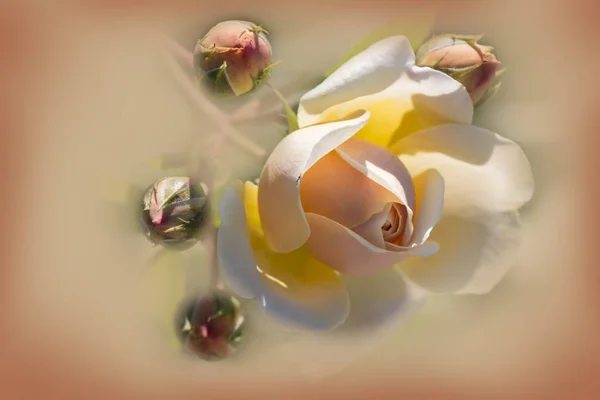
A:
[(234, 57), (462, 58)]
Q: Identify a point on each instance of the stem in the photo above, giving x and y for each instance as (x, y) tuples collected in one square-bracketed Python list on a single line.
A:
[(248, 112), (215, 275), (201, 168), (212, 111), (182, 53)]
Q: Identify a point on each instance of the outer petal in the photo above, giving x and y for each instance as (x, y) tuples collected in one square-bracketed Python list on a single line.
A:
[(379, 304), (279, 187), (295, 288), (401, 97), (430, 201), (238, 267), (475, 253), (379, 299), (480, 168), (349, 253)]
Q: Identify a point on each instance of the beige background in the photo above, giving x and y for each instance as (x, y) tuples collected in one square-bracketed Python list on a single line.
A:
[(87, 101)]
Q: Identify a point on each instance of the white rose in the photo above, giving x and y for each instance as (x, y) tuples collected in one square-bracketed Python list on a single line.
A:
[(386, 181)]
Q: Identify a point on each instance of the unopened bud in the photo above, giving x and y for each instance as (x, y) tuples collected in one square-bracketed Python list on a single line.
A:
[(211, 326), (234, 57), (174, 211), (462, 58)]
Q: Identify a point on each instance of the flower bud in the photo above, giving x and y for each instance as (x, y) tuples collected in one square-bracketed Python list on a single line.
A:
[(462, 58), (174, 211), (211, 326), (233, 57)]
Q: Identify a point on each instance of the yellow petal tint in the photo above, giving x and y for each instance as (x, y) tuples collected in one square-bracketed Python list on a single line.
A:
[(294, 271), (401, 97), (294, 287), (391, 118)]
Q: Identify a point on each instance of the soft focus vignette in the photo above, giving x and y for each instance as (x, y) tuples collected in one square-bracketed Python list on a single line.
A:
[(144, 118)]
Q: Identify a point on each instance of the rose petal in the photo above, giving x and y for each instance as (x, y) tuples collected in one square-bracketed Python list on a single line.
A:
[(379, 300), (427, 249), (401, 97), (238, 268), (370, 230), (279, 193), (480, 168), (371, 71), (380, 165), (336, 190), (346, 251), (294, 288), (475, 253), (379, 305), (429, 187)]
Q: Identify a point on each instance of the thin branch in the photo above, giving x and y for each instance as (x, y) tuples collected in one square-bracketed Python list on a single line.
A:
[(212, 111), (182, 53), (206, 173)]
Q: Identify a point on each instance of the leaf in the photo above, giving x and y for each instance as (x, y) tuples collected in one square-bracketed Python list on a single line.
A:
[(292, 118), (415, 26)]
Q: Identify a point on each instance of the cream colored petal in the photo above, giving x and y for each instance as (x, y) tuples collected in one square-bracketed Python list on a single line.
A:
[(427, 249), (401, 97), (397, 219), (381, 166), (334, 189), (475, 253), (281, 212), (370, 230), (346, 251), (429, 187), (238, 267), (294, 288), (370, 71), (480, 168), (380, 303)]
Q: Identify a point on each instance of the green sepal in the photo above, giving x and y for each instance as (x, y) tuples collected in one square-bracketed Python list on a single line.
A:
[(290, 115), (222, 84), (264, 75)]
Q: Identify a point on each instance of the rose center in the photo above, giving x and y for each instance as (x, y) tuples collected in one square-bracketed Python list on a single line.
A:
[(395, 224)]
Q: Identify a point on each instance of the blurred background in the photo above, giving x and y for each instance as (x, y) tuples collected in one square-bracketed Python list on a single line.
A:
[(89, 109)]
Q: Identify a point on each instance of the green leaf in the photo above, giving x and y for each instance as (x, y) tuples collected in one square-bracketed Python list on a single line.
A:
[(292, 118), (415, 26)]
